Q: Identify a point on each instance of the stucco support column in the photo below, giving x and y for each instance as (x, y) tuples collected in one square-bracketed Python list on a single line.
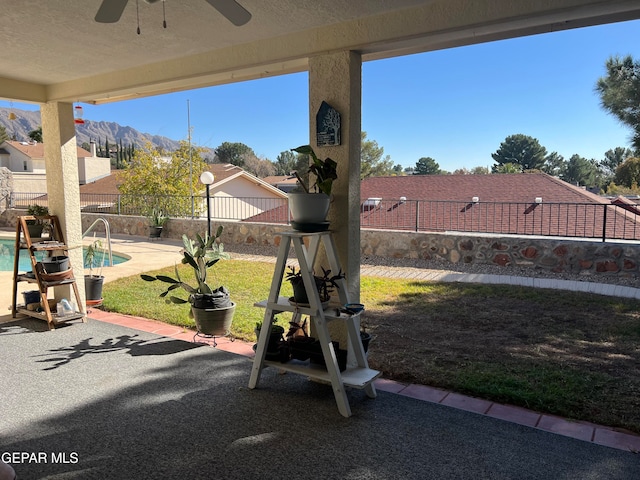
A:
[(337, 79), (61, 160)]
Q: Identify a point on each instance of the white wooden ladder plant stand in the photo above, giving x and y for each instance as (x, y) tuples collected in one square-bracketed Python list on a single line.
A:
[(359, 376)]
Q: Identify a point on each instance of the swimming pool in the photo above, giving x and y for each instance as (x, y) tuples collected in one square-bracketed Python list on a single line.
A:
[(7, 249)]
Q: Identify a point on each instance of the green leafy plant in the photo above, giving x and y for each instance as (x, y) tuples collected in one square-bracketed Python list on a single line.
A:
[(325, 171), (325, 283), (157, 218), (200, 254), (37, 211), (91, 256)]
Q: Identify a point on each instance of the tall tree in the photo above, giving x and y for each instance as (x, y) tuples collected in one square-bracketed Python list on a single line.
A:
[(507, 168), (628, 173), (3, 134), (372, 164), (427, 166), (36, 135), (155, 182), (521, 150), (554, 164), (620, 93), (480, 171), (285, 163), (259, 167), (580, 171), (613, 158), (233, 153)]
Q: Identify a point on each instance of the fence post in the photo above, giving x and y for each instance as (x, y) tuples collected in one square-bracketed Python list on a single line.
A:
[(417, 214), (604, 224)]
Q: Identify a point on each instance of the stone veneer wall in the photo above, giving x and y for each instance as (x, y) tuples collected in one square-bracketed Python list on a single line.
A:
[(6, 187), (556, 255)]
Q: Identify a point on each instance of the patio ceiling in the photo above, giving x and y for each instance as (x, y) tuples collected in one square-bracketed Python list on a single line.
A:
[(55, 51)]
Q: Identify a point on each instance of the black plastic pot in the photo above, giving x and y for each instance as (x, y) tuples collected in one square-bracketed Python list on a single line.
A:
[(35, 230), (365, 338), (59, 263), (93, 287), (155, 231), (32, 296), (308, 348), (275, 338)]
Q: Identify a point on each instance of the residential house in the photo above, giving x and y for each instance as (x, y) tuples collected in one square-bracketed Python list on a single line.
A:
[(286, 183), (26, 161), (234, 195), (524, 203)]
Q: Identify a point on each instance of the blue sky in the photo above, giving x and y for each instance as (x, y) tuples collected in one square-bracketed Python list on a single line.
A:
[(454, 105)]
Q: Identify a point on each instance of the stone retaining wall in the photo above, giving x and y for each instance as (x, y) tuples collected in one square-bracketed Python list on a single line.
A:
[(556, 255)]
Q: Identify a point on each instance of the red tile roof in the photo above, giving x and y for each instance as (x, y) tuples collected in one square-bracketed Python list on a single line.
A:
[(36, 150), (506, 205), (516, 187)]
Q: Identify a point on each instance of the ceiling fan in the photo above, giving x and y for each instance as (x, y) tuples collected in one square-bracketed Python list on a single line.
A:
[(110, 11)]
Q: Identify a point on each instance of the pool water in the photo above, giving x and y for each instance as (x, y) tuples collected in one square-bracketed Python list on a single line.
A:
[(7, 249)]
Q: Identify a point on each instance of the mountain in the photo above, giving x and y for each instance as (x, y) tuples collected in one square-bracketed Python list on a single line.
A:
[(26, 121)]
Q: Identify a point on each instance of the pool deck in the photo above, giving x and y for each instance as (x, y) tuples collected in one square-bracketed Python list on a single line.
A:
[(144, 255)]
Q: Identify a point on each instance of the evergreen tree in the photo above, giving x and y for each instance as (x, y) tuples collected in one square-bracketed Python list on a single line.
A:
[(554, 164), (580, 171), (233, 153), (507, 168), (372, 164), (613, 158), (36, 135), (3, 134), (285, 163), (521, 150), (427, 166), (620, 93)]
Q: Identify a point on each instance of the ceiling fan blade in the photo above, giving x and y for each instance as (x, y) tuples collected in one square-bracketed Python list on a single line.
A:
[(110, 11), (231, 9)]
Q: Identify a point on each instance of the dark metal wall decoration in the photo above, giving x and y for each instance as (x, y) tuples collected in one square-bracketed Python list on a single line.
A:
[(327, 126)]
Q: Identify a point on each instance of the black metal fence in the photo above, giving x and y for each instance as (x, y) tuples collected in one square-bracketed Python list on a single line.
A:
[(584, 220), (273, 210), (604, 221)]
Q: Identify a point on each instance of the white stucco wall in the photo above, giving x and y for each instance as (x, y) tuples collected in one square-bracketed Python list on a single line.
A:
[(29, 182), (241, 198), (91, 169)]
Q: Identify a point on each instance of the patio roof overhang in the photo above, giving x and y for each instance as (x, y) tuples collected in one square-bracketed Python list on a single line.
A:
[(56, 52)]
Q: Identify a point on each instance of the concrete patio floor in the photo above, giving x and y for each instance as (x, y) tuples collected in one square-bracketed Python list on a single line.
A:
[(147, 255)]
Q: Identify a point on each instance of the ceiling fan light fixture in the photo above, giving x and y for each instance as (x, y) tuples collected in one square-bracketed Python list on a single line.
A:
[(110, 11)]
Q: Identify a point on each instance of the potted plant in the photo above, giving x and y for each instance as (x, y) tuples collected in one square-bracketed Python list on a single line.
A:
[(94, 257), (37, 225), (211, 309), (157, 219), (310, 207), (276, 344), (324, 284)]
